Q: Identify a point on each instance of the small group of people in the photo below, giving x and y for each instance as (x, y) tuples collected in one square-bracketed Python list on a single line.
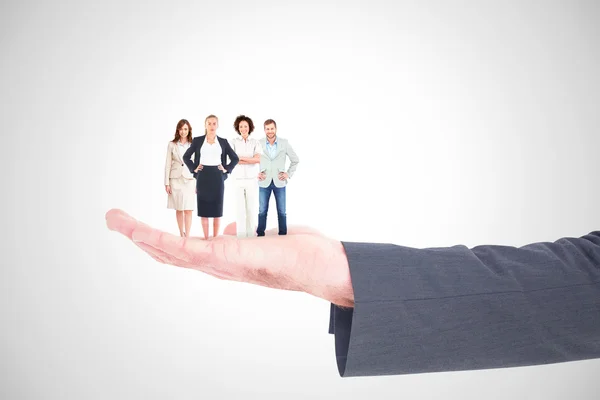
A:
[(196, 170)]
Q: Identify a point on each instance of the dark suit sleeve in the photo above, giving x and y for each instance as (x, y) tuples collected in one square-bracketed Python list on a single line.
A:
[(454, 308), (187, 157), (233, 157)]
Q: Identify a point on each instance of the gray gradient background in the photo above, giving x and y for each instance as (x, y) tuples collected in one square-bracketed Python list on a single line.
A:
[(443, 123)]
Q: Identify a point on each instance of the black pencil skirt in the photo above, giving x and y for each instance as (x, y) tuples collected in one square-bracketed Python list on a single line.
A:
[(210, 185)]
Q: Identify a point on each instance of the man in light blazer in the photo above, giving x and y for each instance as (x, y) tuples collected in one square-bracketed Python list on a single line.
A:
[(273, 176)]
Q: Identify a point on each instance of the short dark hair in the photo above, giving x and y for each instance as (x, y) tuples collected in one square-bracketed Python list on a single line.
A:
[(240, 118), (270, 121)]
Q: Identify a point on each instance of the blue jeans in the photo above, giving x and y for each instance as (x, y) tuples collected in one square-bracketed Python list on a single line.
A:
[(264, 195)]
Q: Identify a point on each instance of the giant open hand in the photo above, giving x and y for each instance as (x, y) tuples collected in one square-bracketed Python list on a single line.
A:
[(303, 260)]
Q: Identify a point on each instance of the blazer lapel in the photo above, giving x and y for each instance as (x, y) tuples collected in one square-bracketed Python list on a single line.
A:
[(263, 147), (197, 155), (178, 152), (264, 144), (223, 150), (279, 147)]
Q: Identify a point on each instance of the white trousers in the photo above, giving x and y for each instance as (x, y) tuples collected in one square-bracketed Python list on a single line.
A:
[(246, 200)]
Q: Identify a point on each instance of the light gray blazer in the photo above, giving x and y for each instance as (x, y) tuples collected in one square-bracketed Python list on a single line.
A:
[(273, 166)]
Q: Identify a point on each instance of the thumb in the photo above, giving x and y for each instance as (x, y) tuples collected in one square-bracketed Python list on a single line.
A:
[(230, 229)]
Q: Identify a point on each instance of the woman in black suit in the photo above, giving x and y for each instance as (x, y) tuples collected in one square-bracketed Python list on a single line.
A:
[(210, 169)]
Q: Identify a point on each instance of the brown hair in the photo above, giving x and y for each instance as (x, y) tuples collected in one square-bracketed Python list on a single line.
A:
[(239, 119), (270, 121), (180, 125), (207, 118)]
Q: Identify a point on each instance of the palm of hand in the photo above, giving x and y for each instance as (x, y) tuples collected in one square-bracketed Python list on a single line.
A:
[(304, 260)]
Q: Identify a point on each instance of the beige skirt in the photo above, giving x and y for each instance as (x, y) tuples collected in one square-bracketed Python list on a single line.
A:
[(183, 194)]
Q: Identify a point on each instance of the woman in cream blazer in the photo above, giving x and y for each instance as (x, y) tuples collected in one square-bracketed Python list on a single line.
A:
[(179, 182)]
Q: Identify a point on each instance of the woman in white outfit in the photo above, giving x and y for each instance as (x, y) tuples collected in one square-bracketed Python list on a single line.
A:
[(179, 181), (245, 176)]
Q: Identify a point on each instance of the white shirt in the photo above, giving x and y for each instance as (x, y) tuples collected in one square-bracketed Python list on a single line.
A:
[(245, 148), (210, 154), (182, 148)]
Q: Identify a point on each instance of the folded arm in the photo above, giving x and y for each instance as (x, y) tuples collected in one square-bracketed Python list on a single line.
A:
[(250, 160)]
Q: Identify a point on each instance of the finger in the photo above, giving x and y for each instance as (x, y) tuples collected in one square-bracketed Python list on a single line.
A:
[(164, 258), (230, 229), (149, 251), (272, 232), (119, 221), (303, 230), (161, 256), (193, 251), (295, 230)]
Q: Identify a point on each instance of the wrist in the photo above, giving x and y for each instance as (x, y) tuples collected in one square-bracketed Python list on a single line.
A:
[(339, 291), (328, 277)]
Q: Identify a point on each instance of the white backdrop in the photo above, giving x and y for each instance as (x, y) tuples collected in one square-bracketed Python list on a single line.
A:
[(418, 123)]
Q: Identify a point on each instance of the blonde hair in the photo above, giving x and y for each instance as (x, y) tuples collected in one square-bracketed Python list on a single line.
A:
[(207, 118)]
